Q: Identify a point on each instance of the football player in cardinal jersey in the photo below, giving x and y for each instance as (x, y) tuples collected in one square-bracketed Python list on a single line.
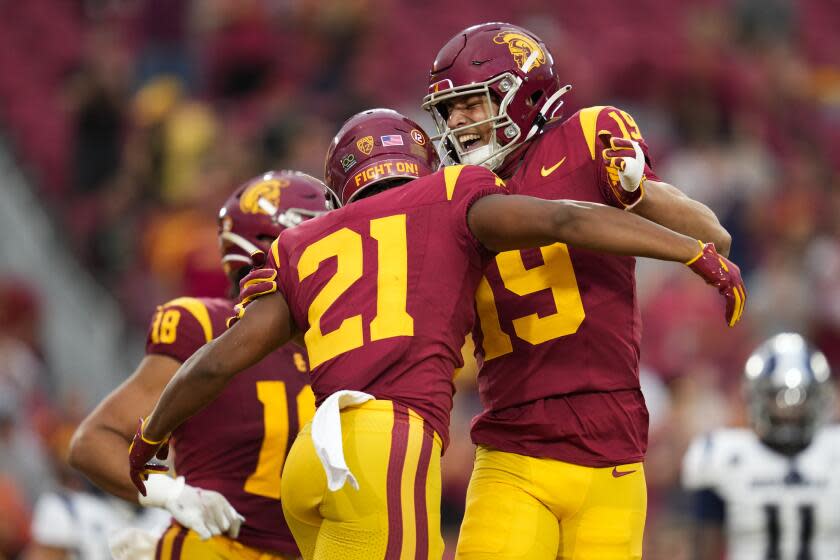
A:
[(230, 455), (561, 440), (771, 490), (381, 289)]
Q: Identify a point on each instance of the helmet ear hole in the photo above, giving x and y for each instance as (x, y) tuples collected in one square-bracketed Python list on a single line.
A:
[(535, 97)]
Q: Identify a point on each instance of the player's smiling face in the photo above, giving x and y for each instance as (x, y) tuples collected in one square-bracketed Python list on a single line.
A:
[(468, 109)]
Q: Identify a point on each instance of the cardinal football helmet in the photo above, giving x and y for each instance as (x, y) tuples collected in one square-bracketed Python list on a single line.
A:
[(788, 388), (260, 209), (372, 147), (512, 68)]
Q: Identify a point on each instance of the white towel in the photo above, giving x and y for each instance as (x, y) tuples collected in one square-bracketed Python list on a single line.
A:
[(326, 436)]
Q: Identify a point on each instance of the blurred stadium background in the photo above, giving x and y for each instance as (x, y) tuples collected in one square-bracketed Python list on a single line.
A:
[(125, 124)]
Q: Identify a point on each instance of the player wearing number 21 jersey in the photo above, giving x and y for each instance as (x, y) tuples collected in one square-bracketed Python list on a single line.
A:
[(381, 290), (229, 456), (563, 433)]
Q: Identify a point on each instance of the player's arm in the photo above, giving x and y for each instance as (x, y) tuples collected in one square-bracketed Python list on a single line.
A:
[(266, 326), (633, 184), (99, 444), (708, 531), (504, 223), (668, 206)]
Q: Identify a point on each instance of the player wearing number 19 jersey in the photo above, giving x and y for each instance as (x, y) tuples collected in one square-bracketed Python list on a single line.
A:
[(381, 290), (251, 425), (562, 437)]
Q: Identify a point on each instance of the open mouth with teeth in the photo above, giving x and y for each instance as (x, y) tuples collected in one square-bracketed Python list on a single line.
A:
[(469, 141)]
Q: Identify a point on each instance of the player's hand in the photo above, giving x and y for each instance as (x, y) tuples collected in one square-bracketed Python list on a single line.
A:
[(140, 452), (258, 282), (626, 157), (219, 513), (625, 163), (724, 275), (206, 512), (257, 259)]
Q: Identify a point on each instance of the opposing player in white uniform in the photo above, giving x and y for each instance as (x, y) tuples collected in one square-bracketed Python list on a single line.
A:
[(70, 525), (772, 492)]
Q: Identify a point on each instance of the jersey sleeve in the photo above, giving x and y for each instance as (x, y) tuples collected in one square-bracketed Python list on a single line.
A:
[(699, 464), (593, 122), (54, 523), (278, 260), (464, 185), (179, 328)]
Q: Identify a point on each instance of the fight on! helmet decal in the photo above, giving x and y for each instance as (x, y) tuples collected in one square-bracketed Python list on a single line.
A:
[(381, 132), (386, 168)]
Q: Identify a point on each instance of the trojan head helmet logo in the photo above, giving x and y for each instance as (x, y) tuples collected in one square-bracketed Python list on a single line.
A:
[(521, 47), (269, 189), (365, 145)]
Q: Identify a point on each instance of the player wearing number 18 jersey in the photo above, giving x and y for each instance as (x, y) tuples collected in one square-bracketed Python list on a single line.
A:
[(558, 470), (235, 448), (381, 290), (253, 423)]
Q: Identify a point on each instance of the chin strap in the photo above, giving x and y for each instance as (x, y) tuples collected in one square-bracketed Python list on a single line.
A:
[(548, 111)]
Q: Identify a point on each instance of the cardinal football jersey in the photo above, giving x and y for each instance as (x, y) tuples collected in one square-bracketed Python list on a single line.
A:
[(382, 289), (774, 506), (559, 327), (237, 445)]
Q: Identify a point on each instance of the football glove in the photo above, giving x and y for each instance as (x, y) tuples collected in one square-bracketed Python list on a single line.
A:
[(625, 158), (206, 512), (724, 275), (258, 282), (140, 452)]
